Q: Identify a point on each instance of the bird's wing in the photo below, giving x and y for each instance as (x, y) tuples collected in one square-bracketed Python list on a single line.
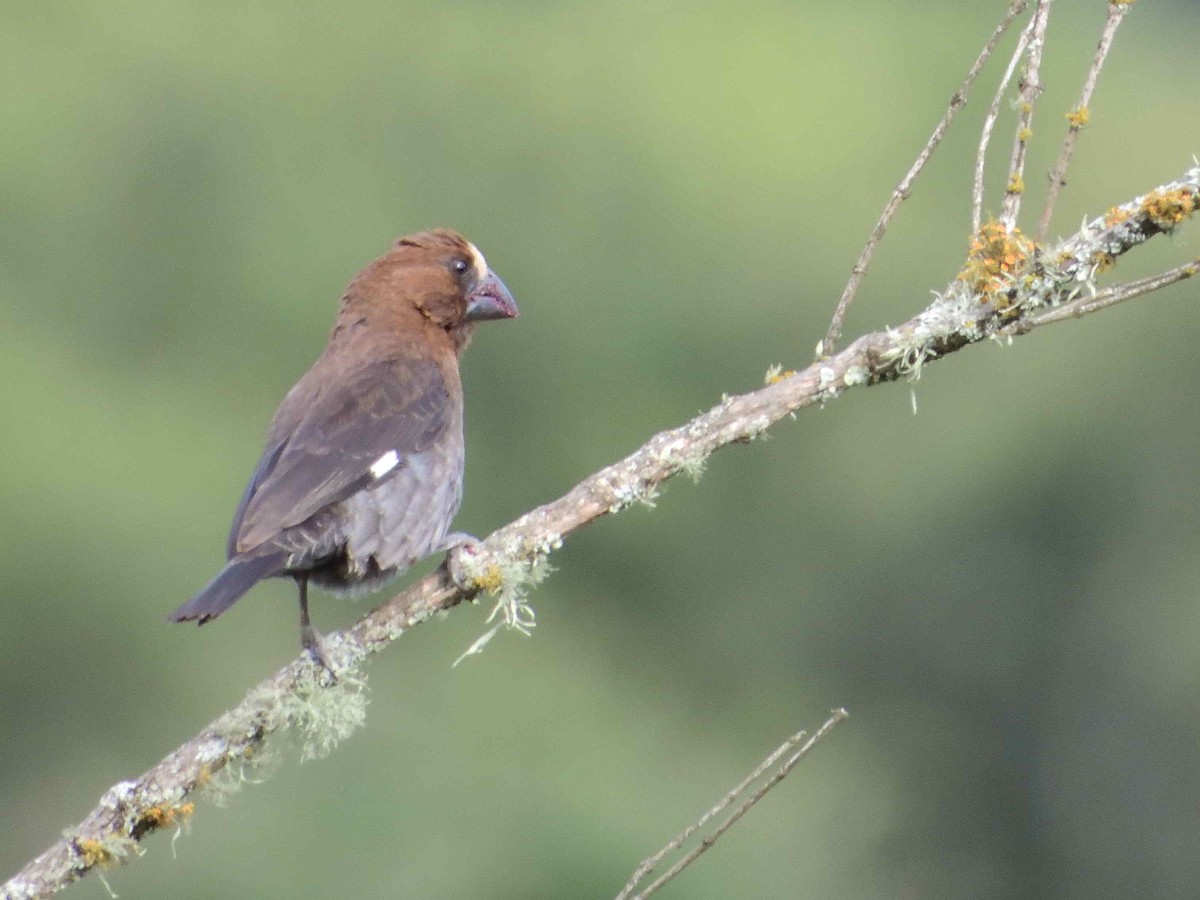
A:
[(355, 434)]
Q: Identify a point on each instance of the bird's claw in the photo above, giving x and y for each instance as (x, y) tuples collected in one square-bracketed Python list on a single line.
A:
[(460, 547), (458, 539), (314, 644)]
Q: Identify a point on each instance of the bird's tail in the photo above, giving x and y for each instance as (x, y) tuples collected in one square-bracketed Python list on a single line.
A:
[(239, 575)]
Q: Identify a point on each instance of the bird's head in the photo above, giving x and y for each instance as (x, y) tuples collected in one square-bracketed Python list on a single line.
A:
[(438, 276)]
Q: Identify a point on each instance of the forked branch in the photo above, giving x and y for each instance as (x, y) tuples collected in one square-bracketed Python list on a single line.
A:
[(959, 99), (797, 740), (1008, 287), (1030, 91), (1077, 118), (303, 700)]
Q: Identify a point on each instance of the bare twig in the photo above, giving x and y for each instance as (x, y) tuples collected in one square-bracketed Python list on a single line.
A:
[(957, 101), (1031, 89), (302, 699), (644, 870), (1078, 117), (989, 123), (1118, 293), (649, 864)]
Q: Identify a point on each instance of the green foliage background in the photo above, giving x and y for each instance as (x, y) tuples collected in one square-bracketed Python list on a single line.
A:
[(1002, 589)]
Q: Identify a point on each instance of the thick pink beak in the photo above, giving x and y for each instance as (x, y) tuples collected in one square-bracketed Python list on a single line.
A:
[(490, 300)]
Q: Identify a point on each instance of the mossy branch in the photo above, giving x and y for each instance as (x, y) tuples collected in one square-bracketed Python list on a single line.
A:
[(1007, 285)]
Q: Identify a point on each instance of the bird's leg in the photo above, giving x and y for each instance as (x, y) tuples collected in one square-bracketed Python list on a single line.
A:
[(310, 638), (457, 543)]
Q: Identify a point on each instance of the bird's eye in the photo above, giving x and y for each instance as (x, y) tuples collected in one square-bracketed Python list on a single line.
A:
[(459, 266)]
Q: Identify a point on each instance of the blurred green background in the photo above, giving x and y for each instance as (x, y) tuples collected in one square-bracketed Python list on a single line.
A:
[(1003, 589)]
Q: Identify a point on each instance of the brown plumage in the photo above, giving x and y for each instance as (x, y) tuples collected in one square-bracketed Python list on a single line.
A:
[(362, 471)]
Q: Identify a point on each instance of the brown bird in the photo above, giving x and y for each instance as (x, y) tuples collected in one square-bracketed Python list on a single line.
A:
[(362, 472)]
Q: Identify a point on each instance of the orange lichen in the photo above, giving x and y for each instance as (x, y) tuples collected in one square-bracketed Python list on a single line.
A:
[(1166, 209), (1105, 261), (1116, 216), (1078, 118), (995, 257), (776, 377), (167, 816), (93, 853)]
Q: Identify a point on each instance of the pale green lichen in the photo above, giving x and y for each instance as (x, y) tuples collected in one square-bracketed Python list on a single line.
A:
[(827, 385), (512, 610), (249, 767), (510, 573), (856, 375), (330, 716), (912, 359), (625, 490), (693, 466), (108, 887), (675, 452), (314, 713)]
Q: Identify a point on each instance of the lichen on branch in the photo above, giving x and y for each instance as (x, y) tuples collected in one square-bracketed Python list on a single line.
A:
[(1006, 279)]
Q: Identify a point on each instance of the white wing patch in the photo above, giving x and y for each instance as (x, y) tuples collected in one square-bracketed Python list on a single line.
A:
[(384, 464)]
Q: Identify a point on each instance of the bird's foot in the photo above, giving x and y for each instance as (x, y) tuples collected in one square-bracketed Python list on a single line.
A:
[(456, 540), (311, 640), (460, 547)]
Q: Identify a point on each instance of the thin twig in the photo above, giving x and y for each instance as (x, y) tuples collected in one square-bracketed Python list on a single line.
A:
[(302, 698), (649, 864), (838, 715), (957, 101), (1078, 117), (1031, 89), (1118, 293), (989, 123)]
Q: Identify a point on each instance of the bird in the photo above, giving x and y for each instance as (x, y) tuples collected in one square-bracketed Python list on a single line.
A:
[(362, 470)]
